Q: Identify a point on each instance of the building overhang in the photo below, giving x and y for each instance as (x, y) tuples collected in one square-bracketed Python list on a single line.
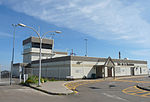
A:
[(20, 64), (36, 40)]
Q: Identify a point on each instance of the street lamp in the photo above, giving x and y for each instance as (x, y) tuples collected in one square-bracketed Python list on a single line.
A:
[(12, 61), (40, 38)]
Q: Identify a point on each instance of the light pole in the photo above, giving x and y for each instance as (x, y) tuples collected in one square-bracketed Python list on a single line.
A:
[(86, 47), (12, 61), (0, 72), (40, 38)]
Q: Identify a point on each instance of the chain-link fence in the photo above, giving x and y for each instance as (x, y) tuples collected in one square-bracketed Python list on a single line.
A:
[(22, 74), (4, 77), (7, 79), (57, 73)]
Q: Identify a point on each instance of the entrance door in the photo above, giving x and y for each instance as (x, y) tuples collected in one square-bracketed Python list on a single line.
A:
[(109, 71), (132, 70), (99, 72)]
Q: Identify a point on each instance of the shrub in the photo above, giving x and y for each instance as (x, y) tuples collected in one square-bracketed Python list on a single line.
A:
[(52, 79), (34, 80), (45, 80)]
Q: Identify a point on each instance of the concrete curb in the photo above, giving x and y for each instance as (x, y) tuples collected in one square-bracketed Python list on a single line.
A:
[(142, 87), (51, 93), (74, 91), (73, 88)]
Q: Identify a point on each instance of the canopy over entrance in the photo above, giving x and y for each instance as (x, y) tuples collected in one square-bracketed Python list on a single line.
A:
[(109, 66)]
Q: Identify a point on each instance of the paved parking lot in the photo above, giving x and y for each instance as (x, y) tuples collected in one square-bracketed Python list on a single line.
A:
[(133, 90), (102, 91), (110, 92)]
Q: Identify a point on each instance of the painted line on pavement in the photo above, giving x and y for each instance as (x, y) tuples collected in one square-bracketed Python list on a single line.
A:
[(130, 77), (131, 81), (73, 85), (133, 90), (115, 97)]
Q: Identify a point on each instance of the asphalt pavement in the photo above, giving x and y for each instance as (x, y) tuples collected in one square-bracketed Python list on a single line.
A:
[(109, 92), (103, 91)]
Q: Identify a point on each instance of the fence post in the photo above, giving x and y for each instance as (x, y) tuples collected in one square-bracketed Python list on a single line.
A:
[(20, 70)]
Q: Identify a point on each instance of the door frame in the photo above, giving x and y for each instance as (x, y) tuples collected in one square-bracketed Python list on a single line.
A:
[(109, 71), (132, 71)]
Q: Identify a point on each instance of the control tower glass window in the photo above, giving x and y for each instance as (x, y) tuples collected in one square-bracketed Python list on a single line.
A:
[(27, 46), (44, 46)]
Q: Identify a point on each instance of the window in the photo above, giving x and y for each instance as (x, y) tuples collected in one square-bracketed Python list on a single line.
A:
[(140, 70), (36, 45), (118, 64), (130, 64), (27, 46), (44, 46), (47, 46)]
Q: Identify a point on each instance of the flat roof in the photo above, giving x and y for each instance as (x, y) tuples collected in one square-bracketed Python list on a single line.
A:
[(90, 59), (64, 53), (36, 39)]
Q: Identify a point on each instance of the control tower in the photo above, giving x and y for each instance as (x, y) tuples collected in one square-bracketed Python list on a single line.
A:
[(31, 49)]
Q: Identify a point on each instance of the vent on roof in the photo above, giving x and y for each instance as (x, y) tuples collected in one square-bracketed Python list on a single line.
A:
[(126, 58)]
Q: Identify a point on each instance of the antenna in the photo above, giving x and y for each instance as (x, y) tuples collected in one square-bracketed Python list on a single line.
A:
[(119, 55), (86, 47)]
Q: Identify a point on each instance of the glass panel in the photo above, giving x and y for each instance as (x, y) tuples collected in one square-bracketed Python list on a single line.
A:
[(27, 46), (44, 46)]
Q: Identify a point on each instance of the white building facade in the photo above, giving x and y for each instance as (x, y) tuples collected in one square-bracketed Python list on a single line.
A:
[(89, 67), (60, 65)]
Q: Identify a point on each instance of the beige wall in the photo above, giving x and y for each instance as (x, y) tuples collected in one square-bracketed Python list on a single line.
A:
[(59, 55), (59, 69), (86, 68), (79, 69), (32, 54), (122, 70), (37, 50)]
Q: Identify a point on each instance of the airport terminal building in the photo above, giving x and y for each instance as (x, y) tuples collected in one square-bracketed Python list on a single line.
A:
[(60, 65)]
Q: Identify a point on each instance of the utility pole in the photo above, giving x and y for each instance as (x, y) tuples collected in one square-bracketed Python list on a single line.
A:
[(0, 72), (12, 61), (86, 47)]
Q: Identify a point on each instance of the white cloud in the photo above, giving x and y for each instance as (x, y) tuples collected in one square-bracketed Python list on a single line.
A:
[(142, 53), (102, 19), (2, 34)]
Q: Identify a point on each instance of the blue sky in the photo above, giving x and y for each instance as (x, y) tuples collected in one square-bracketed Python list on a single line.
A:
[(109, 25)]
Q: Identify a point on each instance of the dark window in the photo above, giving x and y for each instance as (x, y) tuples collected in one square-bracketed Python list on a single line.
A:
[(47, 46), (130, 64), (44, 46), (140, 70), (36, 45), (118, 63)]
